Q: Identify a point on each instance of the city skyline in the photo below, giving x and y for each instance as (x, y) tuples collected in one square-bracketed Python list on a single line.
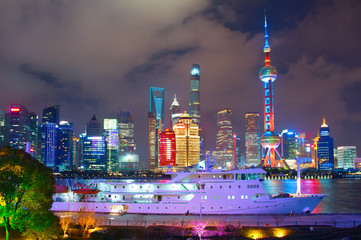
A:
[(93, 70)]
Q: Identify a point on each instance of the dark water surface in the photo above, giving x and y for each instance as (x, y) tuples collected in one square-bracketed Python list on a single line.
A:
[(342, 195)]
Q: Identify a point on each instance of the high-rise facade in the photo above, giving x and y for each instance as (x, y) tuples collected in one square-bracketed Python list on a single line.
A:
[(175, 111), (111, 134), (270, 139), (126, 132), (346, 156), (187, 142), (17, 125), (325, 148), (2, 130), (49, 136), (65, 141), (225, 140), (167, 149), (195, 95), (252, 140), (34, 136), (51, 114), (157, 106), (288, 144), (152, 142), (93, 128)]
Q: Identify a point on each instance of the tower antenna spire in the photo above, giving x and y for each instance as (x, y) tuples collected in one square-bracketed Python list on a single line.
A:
[(266, 48)]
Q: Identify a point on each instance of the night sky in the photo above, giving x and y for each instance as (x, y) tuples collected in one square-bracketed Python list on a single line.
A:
[(95, 57)]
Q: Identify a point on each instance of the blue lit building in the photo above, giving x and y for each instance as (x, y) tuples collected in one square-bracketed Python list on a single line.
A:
[(195, 95), (65, 142), (325, 148), (49, 136), (94, 153), (157, 106), (288, 144)]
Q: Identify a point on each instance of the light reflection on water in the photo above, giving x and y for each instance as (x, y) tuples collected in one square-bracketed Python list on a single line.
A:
[(342, 195)]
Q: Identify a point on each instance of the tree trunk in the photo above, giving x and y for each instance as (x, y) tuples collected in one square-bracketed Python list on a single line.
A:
[(7, 227)]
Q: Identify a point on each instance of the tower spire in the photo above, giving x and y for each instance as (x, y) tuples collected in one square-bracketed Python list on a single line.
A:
[(324, 122), (266, 48)]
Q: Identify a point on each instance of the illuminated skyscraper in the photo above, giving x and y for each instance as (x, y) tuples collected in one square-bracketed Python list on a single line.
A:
[(195, 95), (346, 157), (175, 111), (126, 132), (34, 136), (2, 130), (94, 147), (49, 136), (17, 125), (288, 144), (225, 142), (111, 134), (152, 142), (187, 141), (270, 140), (325, 148), (167, 149), (65, 140), (51, 115), (252, 140), (157, 106)]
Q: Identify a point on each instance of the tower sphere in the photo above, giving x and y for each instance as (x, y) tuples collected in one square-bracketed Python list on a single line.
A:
[(270, 139), (268, 73)]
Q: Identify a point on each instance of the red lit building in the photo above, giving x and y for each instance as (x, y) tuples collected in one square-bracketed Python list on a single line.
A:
[(167, 148)]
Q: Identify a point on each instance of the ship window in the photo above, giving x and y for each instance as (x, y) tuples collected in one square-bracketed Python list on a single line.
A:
[(140, 187), (224, 176), (214, 197), (246, 196), (157, 186), (219, 197), (109, 195), (243, 176), (157, 207), (211, 207), (139, 207), (230, 186), (232, 197), (205, 197), (211, 186), (254, 176), (239, 186), (166, 207), (220, 186), (202, 207), (178, 197), (148, 207), (123, 186), (115, 196), (238, 176), (115, 186), (229, 197), (221, 207), (242, 196)]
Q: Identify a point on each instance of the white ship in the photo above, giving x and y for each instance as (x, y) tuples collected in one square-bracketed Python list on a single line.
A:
[(230, 192)]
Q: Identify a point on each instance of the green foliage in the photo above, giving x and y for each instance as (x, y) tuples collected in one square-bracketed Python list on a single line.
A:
[(26, 190)]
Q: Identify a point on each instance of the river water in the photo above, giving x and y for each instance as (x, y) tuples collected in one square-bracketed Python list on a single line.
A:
[(342, 195)]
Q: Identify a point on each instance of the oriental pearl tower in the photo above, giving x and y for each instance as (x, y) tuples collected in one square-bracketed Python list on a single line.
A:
[(270, 140)]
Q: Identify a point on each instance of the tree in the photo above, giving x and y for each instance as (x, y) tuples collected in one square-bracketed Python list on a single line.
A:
[(26, 190), (65, 223), (87, 219), (199, 228)]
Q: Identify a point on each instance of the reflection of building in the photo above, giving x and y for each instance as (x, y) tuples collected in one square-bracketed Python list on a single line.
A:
[(288, 144), (111, 136), (270, 139), (225, 140), (325, 148), (187, 141), (65, 140), (175, 111), (152, 142), (346, 157), (167, 148), (252, 140), (195, 95)]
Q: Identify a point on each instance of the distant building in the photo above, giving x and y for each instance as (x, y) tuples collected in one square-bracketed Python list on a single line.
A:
[(157, 106), (152, 142), (51, 114), (34, 136), (358, 163), (187, 142), (239, 157), (126, 132), (252, 140), (167, 149), (225, 140), (65, 140), (195, 95), (325, 148), (94, 147), (49, 136), (111, 134), (346, 156), (175, 111), (288, 144), (17, 127)]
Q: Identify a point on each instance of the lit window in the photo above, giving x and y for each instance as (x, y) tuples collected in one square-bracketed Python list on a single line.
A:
[(229, 197), (232, 197), (242, 196)]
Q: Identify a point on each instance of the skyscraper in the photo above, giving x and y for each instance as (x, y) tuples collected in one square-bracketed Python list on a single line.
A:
[(167, 149), (111, 134), (49, 136), (288, 144), (93, 128), (270, 139), (195, 95), (346, 157), (2, 130), (65, 140), (225, 142), (94, 147), (17, 125), (187, 141), (126, 132), (175, 111), (325, 148), (152, 142), (157, 106), (252, 140)]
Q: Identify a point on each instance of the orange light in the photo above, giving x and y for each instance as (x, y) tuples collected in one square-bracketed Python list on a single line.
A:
[(15, 109)]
